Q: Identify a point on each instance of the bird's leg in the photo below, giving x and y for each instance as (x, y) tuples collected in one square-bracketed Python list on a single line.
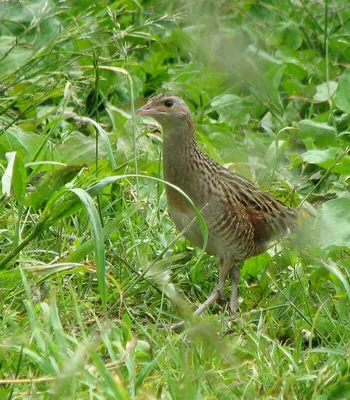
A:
[(214, 295), (225, 267), (233, 299)]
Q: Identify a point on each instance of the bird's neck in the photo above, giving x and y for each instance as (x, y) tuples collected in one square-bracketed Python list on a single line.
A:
[(180, 148)]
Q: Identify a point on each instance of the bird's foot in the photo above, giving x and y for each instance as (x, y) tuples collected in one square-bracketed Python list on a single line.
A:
[(222, 297), (234, 316), (233, 310), (215, 294), (222, 300)]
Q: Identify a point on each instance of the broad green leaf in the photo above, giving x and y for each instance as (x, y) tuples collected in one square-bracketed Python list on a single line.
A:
[(14, 139), (339, 391), (64, 208), (269, 93), (254, 265), (80, 149), (320, 156), (19, 178), (342, 95), (274, 76), (317, 134), (14, 179), (333, 223), (294, 70), (332, 267), (6, 180), (52, 183), (326, 159), (16, 56), (293, 87), (325, 91), (231, 109), (225, 100), (104, 147), (287, 34)]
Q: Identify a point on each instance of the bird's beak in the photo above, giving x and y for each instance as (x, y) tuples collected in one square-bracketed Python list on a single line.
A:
[(145, 110)]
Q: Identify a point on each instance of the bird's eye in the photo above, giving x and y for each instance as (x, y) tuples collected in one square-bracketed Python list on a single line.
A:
[(168, 103)]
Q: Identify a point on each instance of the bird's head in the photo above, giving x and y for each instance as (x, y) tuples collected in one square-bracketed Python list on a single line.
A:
[(168, 109)]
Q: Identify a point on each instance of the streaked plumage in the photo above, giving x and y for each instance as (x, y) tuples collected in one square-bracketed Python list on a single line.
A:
[(241, 218)]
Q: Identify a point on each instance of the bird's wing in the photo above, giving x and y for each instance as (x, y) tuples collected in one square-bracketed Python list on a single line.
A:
[(269, 216)]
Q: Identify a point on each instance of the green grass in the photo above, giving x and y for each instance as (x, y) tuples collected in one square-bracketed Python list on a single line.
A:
[(92, 270)]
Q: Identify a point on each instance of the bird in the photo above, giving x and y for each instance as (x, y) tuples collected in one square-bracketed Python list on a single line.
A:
[(242, 220)]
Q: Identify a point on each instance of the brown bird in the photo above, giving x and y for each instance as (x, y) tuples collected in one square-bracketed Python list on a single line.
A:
[(241, 219)]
